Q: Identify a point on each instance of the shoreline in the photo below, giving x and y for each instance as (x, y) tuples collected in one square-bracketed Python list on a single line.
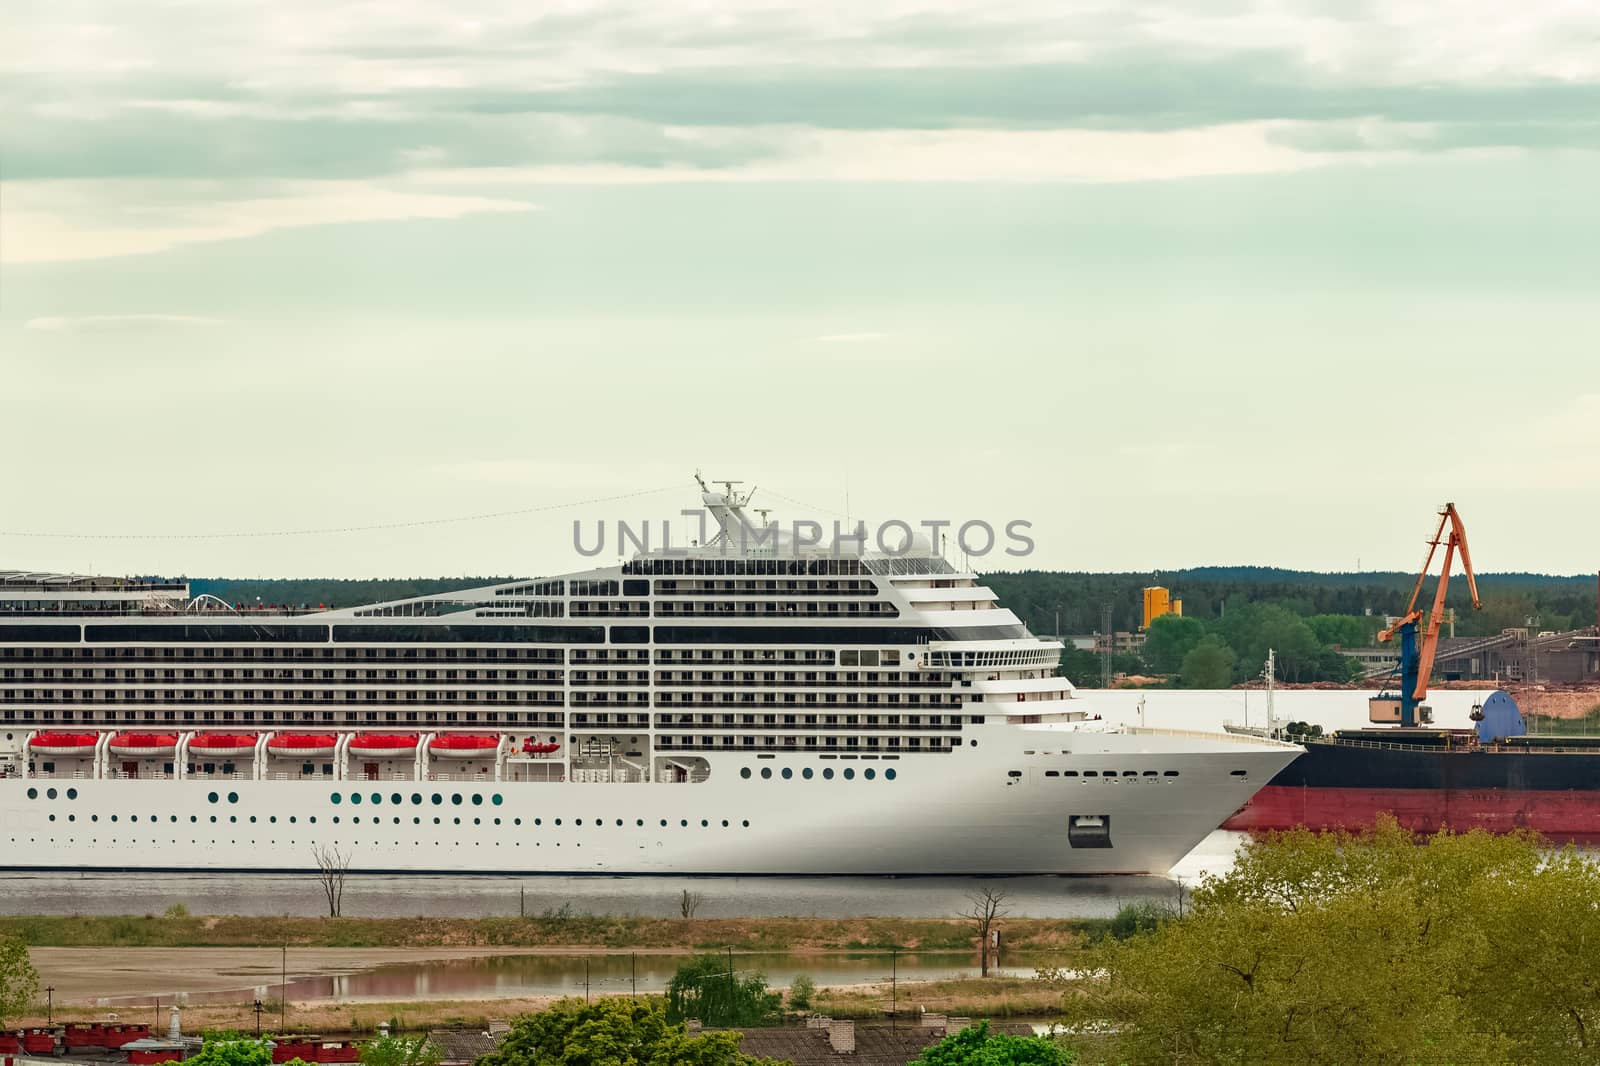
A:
[(553, 933)]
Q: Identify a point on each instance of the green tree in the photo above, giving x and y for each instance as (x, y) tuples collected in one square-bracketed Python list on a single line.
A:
[(1345, 630), (801, 989), (612, 1032), (389, 1050), (19, 981), (707, 988), (1335, 948), (976, 1046), (1169, 639), (1209, 664), (233, 1049)]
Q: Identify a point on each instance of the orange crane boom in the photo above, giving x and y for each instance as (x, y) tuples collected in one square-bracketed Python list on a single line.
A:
[(1453, 541)]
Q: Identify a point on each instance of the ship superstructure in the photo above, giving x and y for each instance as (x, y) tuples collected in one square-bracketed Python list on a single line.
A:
[(748, 706)]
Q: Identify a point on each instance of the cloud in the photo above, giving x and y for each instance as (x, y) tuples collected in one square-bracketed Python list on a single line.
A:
[(113, 323), (850, 338), (55, 221)]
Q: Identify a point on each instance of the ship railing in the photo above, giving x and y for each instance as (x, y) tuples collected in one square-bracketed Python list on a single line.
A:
[(1390, 745), (119, 775), (459, 777), (280, 776), (1200, 734)]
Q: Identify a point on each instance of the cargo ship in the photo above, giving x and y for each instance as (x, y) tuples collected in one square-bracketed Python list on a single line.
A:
[(1494, 776)]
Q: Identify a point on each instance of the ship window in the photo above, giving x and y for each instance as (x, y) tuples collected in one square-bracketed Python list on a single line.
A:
[(50, 794), (211, 797), (477, 799), (787, 773), (496, 799), (1091, 773), (766, 773), (827, 773), (397, 798), (806, 773), (744, 772), (437, 799), (1169, 773), (377, 797), (72, 793), (336, 799), (1236, 773), (869, 773), (33, 793), (1013, 773), (355, 797)]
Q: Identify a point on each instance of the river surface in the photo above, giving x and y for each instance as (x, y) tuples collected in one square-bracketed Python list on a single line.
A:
[(732, 897)]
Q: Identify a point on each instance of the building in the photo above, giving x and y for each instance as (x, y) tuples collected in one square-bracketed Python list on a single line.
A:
[(832, 1040), (462, 1047), (1159, 601)]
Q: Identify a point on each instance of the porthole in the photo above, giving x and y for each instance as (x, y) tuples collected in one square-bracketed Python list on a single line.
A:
[(477, 821), (745, 823), (827, 773), (416, 797), (355, 797), (233, 797), (377, 798), (416, 821), (577, 821), (496, 821), (704, 824), (619, 823), (766, 773), (477, 799), (558, 821), (50, 793), (457, 821), (437, 799), (516, 821), (888, 774), (455, 798), (496, 799), (72, 793), (335, 819), (33, 793), (312, 819), (114, 817), (639, 822), (292, 819), (397, 798), (336, 799), (211, 797), (744, 772), (787, 773), (806, 773), (663, 823), (683, 823), (538, 821), (724, 823), (869, 773)]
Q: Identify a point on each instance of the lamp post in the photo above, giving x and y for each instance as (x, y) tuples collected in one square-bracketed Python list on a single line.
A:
[(258, 1019), (49, 1004), (283, 992), (894, 988)]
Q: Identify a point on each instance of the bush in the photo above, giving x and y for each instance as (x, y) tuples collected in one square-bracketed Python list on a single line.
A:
[(801, 989), (177, 910), (1136, 918)]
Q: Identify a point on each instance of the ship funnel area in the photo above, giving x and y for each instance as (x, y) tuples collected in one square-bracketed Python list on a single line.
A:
[(1497, 718)]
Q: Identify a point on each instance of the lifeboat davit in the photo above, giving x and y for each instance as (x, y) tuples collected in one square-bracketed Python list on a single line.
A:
[(536, 747), (144, 745), (225, 744), (384, 745), (64, 743), (303, 745), (464, 745)]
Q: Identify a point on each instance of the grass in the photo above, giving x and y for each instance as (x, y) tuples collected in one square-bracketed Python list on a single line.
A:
[(993, 997), (977, 997), (177, 928)]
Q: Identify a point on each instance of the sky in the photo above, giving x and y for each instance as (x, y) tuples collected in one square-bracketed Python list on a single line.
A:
[(1213, 282)]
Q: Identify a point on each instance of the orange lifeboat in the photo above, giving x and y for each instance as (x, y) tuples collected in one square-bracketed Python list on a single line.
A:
[(226, 745), (536, 747), (144, 745), (464, 745), (384, 745), (81, 744), (303, 745)]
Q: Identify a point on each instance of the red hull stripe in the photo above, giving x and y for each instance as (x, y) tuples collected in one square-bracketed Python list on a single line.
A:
[(1422, 810)]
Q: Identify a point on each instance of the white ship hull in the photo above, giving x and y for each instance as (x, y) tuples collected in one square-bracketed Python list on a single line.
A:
[(961, 813)]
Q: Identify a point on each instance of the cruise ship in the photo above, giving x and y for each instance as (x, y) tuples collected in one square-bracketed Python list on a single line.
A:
[(748, 705)]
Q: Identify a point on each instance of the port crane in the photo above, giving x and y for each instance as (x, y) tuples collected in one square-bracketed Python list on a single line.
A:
[(1416, 656)]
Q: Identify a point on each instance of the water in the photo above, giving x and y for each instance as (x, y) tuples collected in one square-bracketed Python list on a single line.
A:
[(516, 976), (477, 896)]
